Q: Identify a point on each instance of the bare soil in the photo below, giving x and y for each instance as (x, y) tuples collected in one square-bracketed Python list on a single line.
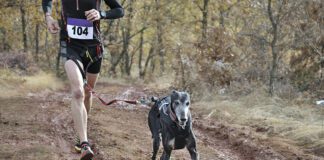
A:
[(39, 126)]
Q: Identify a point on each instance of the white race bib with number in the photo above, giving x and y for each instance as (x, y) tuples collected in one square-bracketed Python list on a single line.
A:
[(79, 28)]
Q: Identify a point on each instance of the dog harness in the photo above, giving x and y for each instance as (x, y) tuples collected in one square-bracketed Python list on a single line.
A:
[(164, 105)]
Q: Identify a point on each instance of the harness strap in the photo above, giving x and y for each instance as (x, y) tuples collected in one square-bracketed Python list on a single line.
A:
[(80, 68)]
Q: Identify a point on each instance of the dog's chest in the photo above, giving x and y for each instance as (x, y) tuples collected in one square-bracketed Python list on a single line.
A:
[(178, 136), (178, 142), (178, 131)]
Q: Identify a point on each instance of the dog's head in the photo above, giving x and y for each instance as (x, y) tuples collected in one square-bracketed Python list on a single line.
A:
[(180, 102)]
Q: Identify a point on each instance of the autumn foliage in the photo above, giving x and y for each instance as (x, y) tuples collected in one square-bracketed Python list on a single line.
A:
[(204, 45)]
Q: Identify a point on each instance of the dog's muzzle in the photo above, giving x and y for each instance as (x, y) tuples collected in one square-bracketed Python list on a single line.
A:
[(182, 122)]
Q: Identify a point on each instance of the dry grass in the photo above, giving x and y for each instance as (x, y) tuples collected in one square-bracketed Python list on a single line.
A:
[(12, 84), (42, 81), (301, 125), (155, 83), (161, 82)]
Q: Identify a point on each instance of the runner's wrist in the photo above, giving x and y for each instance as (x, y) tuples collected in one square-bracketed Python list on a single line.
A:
[(102, 14), (47, 16)]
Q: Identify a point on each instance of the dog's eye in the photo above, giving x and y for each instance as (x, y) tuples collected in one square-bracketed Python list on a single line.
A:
[(187, 103), (176, 103)]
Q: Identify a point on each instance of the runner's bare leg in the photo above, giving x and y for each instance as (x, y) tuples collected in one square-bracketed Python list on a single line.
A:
[(79, 113), (91, 79)]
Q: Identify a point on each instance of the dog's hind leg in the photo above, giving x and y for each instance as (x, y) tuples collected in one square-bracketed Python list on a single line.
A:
[(155, 127), (156, 145)]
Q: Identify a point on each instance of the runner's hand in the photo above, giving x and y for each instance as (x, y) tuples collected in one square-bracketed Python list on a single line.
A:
[(52, 25), (92, 15)]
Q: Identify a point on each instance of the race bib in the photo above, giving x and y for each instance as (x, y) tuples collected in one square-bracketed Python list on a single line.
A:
[(79, 28)]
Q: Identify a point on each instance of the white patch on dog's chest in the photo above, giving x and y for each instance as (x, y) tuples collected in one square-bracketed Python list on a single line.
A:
[(171, 142)]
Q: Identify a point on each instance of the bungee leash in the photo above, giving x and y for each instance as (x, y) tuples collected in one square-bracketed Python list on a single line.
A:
[(134, 102)]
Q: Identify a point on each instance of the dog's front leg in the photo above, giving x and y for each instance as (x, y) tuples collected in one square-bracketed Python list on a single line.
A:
[(166, 153), (191, 146), (167, 146)]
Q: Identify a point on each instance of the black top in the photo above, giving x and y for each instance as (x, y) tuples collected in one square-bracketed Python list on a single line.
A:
[(77, 8)]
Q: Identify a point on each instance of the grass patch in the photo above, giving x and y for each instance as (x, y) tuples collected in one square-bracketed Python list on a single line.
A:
[(301, 124), (43, 81), (13, 84)]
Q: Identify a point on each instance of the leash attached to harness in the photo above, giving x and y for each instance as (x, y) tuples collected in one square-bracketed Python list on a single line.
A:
[(96, 94), (166, 107)]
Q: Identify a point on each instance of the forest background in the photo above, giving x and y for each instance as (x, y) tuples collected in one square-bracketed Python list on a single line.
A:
[(212, 44), (242, 49)]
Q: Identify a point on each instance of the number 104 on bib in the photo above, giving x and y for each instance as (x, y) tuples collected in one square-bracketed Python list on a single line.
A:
[(79, 28)]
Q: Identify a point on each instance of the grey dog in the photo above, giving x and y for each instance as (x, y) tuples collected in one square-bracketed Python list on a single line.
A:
[(171, 117)]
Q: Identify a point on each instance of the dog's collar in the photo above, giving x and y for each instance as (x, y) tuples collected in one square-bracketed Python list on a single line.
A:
[(172, 114), (174, 117)]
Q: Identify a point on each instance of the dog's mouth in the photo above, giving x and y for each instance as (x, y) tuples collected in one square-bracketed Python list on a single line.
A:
[(182, 124)]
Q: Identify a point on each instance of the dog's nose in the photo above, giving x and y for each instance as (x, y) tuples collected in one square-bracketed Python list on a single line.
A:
[(183, 119)]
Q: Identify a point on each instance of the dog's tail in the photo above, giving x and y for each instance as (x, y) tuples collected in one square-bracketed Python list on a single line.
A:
[(154, 99)]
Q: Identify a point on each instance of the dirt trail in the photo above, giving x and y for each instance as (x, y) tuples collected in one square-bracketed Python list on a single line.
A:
[(39, 126)]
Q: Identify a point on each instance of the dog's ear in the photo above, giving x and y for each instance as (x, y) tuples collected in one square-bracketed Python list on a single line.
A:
[(174, 95), (184, 96), (187, 94)]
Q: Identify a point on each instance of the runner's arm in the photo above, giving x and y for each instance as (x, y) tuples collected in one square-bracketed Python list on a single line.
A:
[(47, 6), (52, 24), (116, 10)]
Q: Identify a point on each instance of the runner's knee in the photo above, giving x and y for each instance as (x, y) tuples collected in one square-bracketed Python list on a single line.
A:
[(87, 92), (78, 93), (87, 95)]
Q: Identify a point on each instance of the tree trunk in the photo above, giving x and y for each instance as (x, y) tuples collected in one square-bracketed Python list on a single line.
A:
[(159, 34), (152, 65), (115, 55), (222, 18), (322, 71), (204, 21), (46, 49), (148, 60), (322, 63), (141, 50), (113, 67), (127, 38), (161, 50), (24, 25), (273, 68), (37, 42), (125, 51), (182, 71), (5, 45), (274, 49)]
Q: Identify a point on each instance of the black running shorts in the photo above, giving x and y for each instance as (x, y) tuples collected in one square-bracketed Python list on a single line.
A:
[(90, 56)]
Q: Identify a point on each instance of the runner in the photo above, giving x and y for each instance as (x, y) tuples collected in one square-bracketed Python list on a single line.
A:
[(82, 46)]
